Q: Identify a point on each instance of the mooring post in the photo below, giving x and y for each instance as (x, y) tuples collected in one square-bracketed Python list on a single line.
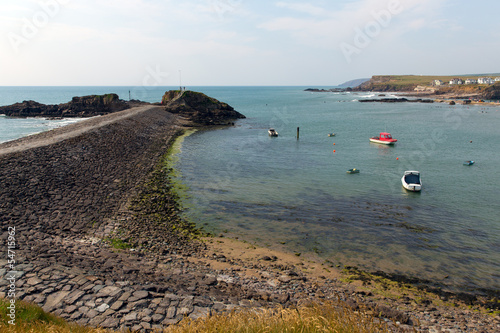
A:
[(298, 132)]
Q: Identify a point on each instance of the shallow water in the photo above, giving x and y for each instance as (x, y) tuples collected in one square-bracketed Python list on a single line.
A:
[(297, 191)]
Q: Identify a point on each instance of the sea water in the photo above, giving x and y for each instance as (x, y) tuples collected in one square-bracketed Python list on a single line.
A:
[(13, 128), (297, 192)]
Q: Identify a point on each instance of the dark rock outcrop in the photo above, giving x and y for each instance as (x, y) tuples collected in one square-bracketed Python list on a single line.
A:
[(326, 90), (199, 108), (86, 106), (492, 92), (396, 100)]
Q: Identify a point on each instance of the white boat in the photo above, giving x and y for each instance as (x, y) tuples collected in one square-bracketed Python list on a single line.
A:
[(411, 181), (272, 132)]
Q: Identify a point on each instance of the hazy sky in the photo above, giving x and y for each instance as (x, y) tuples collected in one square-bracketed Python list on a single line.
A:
[(242, 42)]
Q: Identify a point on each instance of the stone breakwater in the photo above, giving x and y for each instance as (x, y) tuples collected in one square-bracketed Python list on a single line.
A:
[(68, 193)]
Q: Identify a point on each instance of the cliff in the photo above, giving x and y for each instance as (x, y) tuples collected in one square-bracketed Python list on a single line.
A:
[(86, 106), (199, 108), (492, 92), (389, 83), (408, 83)]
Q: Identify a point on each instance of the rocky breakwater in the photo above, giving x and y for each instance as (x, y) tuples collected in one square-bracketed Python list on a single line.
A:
[(199, 108), (85, 106), (98, 236)]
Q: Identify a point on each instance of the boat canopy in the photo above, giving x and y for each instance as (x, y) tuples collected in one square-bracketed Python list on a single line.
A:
[(385, 135), (412, 177)]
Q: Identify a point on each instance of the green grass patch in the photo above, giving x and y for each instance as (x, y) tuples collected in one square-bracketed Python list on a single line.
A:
[(31, 318), (26, 313), (118, 243)]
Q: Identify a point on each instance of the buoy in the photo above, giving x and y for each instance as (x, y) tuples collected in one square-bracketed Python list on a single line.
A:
[(334, 143), (397, 158), (334, 150)]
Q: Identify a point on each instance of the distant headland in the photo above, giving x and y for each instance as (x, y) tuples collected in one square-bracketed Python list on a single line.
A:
[(478, 86)]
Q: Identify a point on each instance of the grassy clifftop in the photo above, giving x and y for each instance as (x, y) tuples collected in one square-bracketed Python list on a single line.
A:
[(399, 82), (407, 83)]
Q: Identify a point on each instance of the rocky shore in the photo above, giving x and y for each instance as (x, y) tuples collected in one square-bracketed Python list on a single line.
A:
[(396, 100), (85, 106), (99, 240)]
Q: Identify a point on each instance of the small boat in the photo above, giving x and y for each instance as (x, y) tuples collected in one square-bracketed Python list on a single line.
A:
[(353, 170), (331, 134), (411, 181), (384, 138), (272, 132), (468, 162)]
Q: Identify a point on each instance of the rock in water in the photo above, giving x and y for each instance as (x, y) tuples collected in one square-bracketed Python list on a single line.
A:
[(199, 108), (85, 106)]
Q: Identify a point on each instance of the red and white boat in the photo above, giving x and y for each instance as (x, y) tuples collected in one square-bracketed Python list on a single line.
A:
[(384, 138)]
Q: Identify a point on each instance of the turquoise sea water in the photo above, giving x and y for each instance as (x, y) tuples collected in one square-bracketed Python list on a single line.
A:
[(274, 190), (12, 128)]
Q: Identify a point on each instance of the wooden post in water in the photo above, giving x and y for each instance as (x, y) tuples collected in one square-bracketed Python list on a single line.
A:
[(298, 132)]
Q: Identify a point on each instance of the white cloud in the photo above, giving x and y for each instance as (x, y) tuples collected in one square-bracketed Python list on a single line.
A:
[(110, 40), (221, 34), (336, 25), (304, 8)]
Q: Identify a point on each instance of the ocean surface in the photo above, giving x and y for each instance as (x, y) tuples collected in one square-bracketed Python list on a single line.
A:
[(13, 128), (284, 192)]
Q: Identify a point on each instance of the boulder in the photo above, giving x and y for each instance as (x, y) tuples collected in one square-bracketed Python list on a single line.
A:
[(199, 108)]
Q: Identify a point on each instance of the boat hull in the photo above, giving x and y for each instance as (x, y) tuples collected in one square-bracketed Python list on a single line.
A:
[(382, 142), (412, 187)]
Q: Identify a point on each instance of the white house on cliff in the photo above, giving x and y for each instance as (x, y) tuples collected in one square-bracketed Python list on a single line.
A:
[(485, 80), (456, 81)]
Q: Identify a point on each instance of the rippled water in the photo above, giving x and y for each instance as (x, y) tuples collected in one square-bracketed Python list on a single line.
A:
[(282, 189)]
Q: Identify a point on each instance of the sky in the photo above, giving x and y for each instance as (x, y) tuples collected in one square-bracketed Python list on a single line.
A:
[(242, 42)]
